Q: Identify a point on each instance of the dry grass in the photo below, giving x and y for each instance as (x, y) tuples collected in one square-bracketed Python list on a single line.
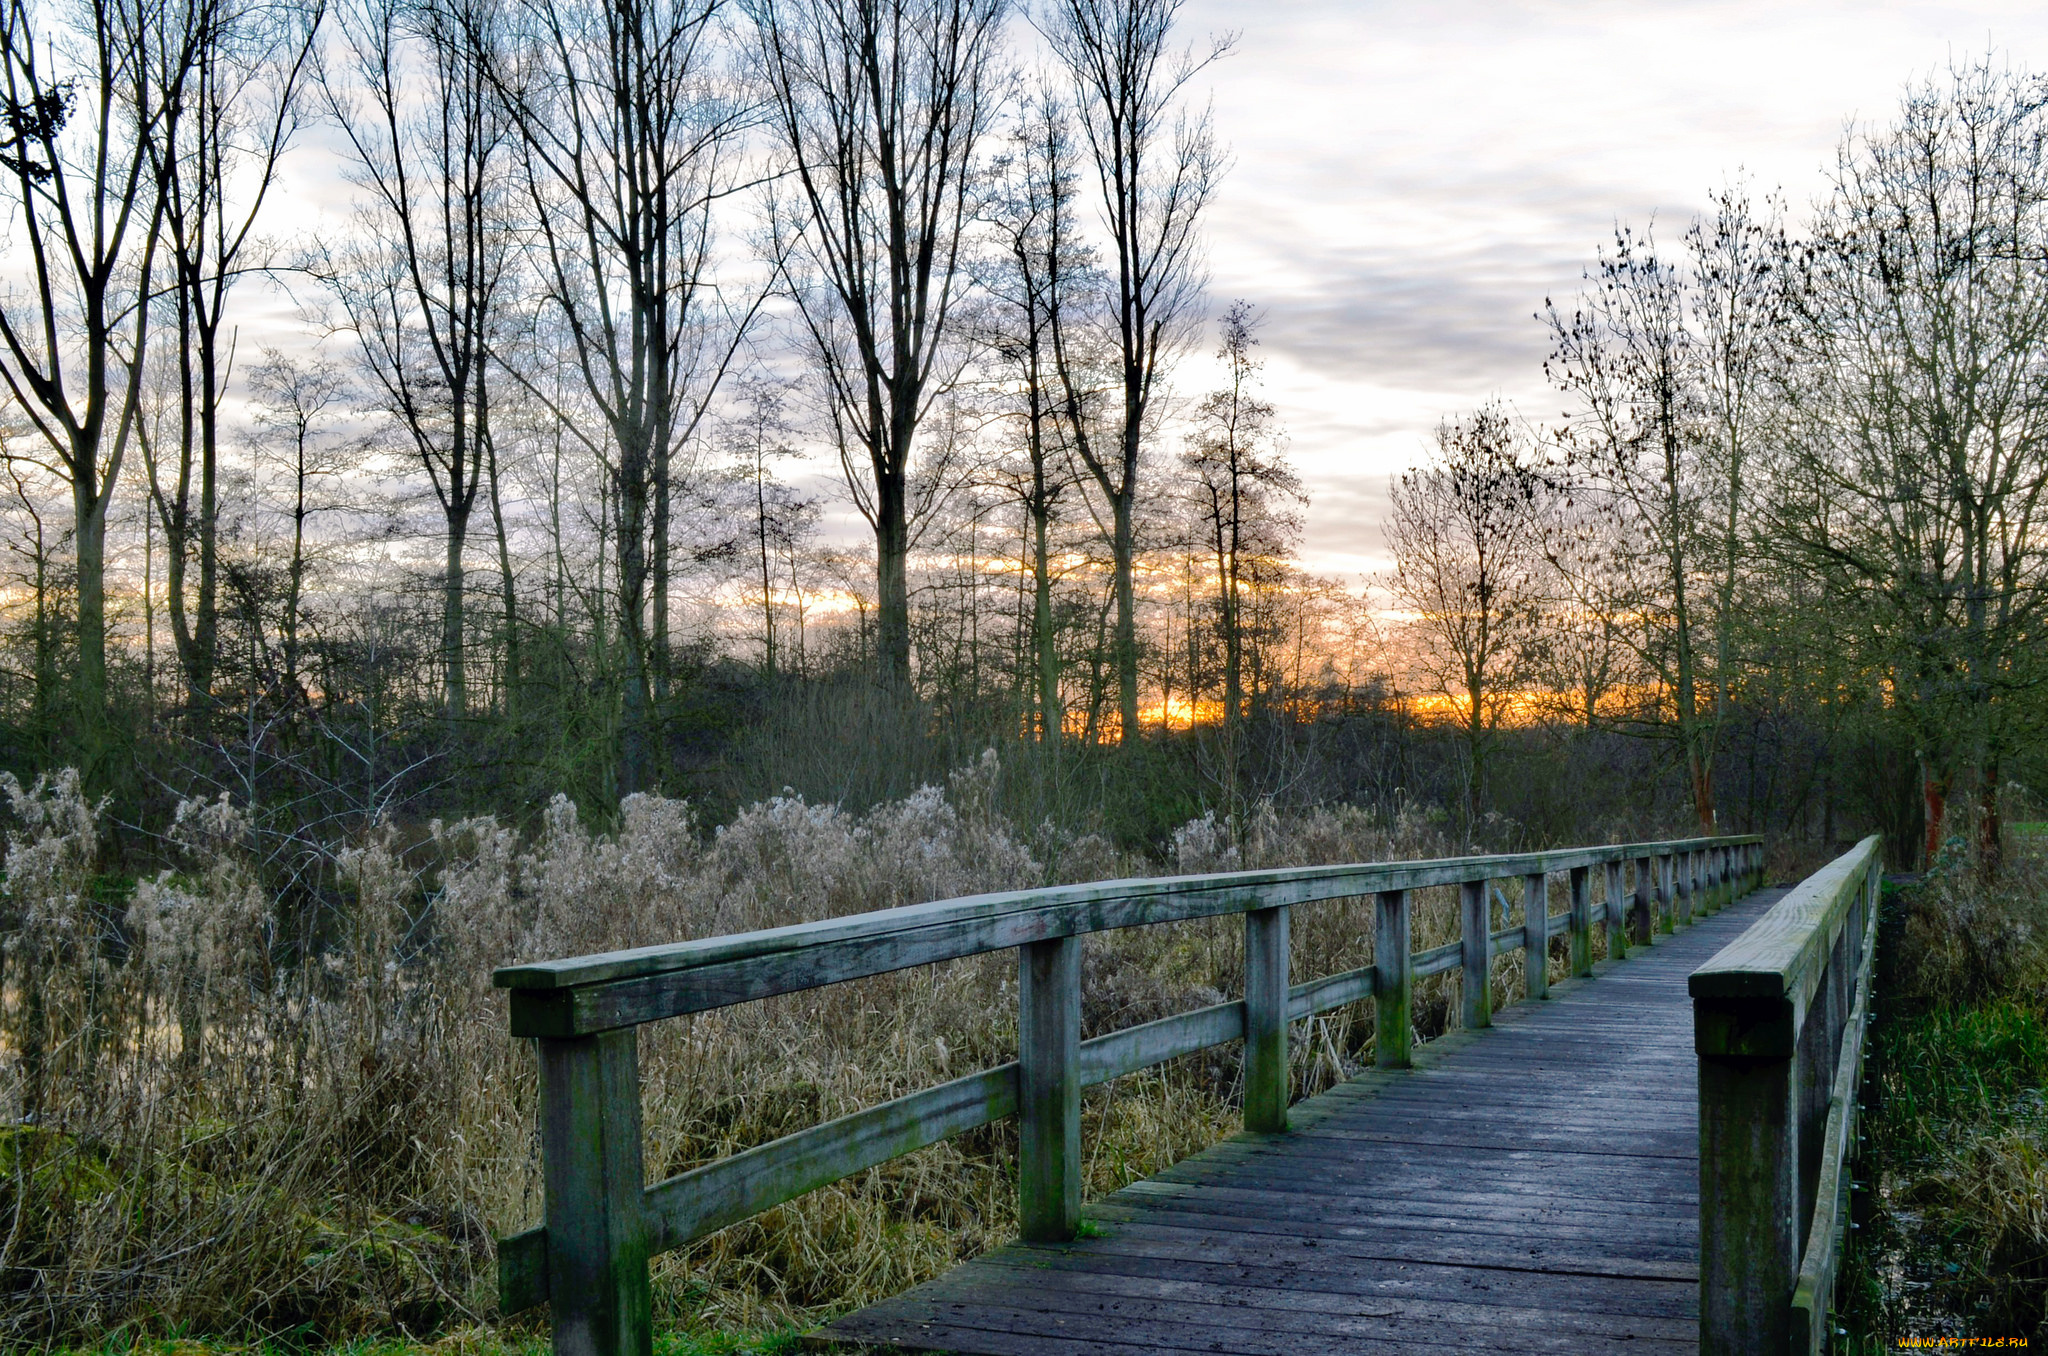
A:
[(245, 1116)]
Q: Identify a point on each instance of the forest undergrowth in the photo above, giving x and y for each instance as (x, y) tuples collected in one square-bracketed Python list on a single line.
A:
[(251, 1116), (1952, 1237)]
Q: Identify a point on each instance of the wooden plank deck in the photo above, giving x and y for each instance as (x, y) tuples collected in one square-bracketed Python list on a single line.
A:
[(1528, 1188)]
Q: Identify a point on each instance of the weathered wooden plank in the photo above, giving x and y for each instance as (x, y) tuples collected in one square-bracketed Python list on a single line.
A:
[(1645, 922), (1813, 1294), (1582, 1297), (740, 1186), (1476, 955), (596, 1226), (1616, 913), (1764, 1076), (1470, 1208), (1579, 919), (1332, 991), (703, 1200), (995, 1330), (1274, 1329), (1139, 1047), (1536, 935), (1667, 1188), (1444, 1208), (523, 1270), (1436, 961), (1232, 892), (1301, 1216), (1749, 1203), (1243, 1240), (1780, 956), (1394, 983), (1267, 1082), (592, 993), (1049, 1089), (1299, 1307)]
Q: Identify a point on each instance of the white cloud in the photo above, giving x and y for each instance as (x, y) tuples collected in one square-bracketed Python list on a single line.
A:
[(1412, 180)]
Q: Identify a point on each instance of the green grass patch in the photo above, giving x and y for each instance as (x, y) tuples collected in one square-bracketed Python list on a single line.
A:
[(1953, 1240)]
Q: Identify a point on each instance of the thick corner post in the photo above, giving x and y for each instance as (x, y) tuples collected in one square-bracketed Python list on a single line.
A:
[(1749, 1176), (1582, 920), (597, 1228), (1049, 1089), (1476, 951), (1536, 934), (1266, 1075), (1393, 982)]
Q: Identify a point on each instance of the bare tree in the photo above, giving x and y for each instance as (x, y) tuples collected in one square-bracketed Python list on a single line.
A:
[(1038, 265), (882, 107), (1241, 484), (84, 116), (1595, 579), (293, 401), (1156, 166), (1629, 354), (630, 123), (1466, 537), (1918, 480), (756, 436), (1741, 264), (241, 113), (422, 286)]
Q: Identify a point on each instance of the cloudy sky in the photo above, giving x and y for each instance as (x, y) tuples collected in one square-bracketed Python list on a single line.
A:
[(1411, 181)]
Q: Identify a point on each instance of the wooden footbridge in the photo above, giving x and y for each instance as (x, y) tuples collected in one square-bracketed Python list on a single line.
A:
[(1648, 1156)]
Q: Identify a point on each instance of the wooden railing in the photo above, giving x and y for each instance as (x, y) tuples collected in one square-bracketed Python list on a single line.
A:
[(1778, 1020), (602, 1224)]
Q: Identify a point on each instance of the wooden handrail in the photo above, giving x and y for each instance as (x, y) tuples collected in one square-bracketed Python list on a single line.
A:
[(603, 1223), (1778, 1023), (588, 994)]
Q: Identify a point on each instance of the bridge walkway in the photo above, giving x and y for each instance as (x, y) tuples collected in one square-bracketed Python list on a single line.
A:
[(1531, 1187)]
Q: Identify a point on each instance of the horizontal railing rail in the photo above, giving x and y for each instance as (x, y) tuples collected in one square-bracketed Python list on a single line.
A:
[(602, 1223), (1778, 1022)]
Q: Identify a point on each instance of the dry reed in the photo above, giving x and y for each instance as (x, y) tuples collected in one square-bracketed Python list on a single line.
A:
[(245, 1115)]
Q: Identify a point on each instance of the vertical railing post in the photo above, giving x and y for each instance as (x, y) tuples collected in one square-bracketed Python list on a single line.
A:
[(1667, 892), (1581, 885), (1617, 912), (1645, 903), (1049, 1089), (1749, 1179), (1266, 1075), (597, 1228), (1393, 982), (1536, 935), (1683, 865), (1476, 950)]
